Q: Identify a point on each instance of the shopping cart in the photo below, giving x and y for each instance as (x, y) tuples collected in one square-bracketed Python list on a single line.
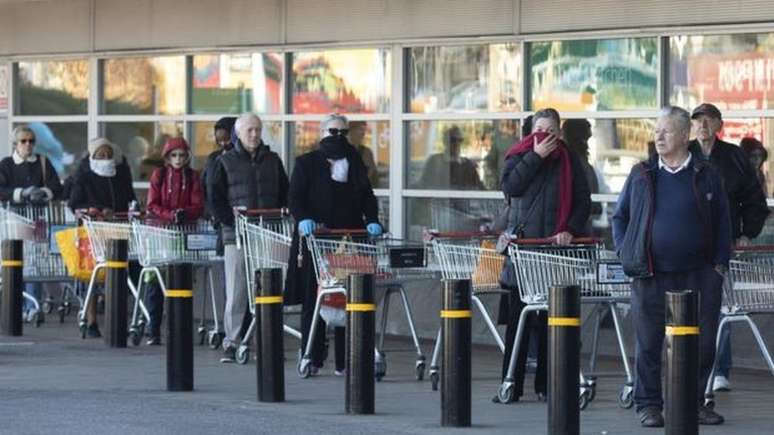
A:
[(747, 290), (467, 255), (264, 236), (539, 265), (159, 244)]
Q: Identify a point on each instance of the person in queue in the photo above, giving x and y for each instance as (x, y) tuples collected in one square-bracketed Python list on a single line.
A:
[(329, 187), (356, 137), (757, 154), (103, 186), (28, 178), (746, 201), (249, 175), (175, 197), (672, 230), (549, 198), (449, 169)]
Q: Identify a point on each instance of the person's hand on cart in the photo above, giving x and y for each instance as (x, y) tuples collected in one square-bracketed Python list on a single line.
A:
[(374, 229), (40, 195), (306, 227), (179, 216), (563, 238)]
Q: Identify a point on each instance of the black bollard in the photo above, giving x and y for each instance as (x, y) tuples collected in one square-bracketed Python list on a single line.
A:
[(360, 344), (116, 292), (179, 298), (563, 359), (269, 345), (682, 376), (456, 358), (13, 287)]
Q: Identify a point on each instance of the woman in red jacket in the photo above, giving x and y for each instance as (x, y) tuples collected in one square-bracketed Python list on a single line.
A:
[(175, 197)]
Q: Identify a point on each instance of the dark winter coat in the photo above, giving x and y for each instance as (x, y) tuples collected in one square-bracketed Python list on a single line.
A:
[(175, 189), (92, 190), (15, 177), (207, 171)]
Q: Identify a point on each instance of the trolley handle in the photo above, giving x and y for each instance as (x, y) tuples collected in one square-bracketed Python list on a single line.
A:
[(754, 248), (552, 241), (435, 234), (262, 212), (340, 232), (95, 213)]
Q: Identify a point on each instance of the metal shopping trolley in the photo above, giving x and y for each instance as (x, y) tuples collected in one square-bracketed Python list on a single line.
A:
[(264, 235), (467, 255), (160, 244), (539, 265), (748, 290)]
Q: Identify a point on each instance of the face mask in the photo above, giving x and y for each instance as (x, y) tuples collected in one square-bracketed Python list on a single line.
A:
[(103, 168), (334, 147)]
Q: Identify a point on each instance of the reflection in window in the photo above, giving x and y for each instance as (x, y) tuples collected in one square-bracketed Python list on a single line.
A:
[(203, 139), (53, 88), (458, 155), (63, 144), (616, 145), (465, 78), (345, 81), (371, 138), (142, 143), (236, 83), (733, 71), (594, 74), (449, 215), (384, 212), (144, 86), (734, 130)]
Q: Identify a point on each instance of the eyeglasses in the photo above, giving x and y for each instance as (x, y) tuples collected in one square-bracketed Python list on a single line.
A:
[(178, 155), (338, 131), (29, 141)]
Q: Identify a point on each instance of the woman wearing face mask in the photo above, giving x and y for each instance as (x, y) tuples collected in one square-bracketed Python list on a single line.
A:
[(175, 197), (329, 187), (102, 184)]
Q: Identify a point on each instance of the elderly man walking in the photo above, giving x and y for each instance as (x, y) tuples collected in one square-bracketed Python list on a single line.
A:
[(672, 231), (248, 175)]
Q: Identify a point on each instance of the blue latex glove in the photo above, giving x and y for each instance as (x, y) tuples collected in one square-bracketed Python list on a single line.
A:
[(306, 227), (374, 229)]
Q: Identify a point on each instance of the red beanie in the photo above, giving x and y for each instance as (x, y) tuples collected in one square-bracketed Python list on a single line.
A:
[(175, 143)]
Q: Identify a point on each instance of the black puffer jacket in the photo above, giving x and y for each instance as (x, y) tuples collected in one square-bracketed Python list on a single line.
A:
[(15, 176), (746, 200), (92, 190), (240, 180), (527, 178)]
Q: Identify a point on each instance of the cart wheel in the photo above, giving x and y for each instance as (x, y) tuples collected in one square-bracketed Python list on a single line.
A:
[(135, 337), (242, 354), (626, 397), (215, 339), (591, 383), (709, 402), (505, 392), (420, 373), (434, 378), (583, 400), (303, 368), (380, 366), (82, 327), (202, 336)]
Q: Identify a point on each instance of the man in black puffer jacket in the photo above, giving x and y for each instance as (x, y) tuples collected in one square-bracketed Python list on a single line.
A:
[(249, 175)]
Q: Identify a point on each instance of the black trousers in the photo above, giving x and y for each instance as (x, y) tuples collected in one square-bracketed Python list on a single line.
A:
[(536, 321), (648, 312)]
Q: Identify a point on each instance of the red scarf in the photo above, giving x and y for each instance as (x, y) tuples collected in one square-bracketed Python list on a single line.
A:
[(565, 174)]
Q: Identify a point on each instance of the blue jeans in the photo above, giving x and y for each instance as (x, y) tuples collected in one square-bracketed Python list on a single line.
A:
[(724, 352)]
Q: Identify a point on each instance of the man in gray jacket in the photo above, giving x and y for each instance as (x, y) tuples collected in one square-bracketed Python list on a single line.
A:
[(249, 175)]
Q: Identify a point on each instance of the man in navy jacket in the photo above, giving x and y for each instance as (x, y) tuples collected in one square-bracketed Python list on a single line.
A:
[(672, 230)]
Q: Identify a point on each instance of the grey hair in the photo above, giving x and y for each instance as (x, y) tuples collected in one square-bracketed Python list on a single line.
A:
[(330, 118), (19, 129), (244, 118), (679, 116)]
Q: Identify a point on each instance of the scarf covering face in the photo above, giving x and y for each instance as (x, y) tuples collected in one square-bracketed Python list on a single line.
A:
[(103, 168), (334, 147), (565, 174)]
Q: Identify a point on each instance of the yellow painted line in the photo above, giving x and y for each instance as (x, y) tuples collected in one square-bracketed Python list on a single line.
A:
[(179, 293), (361, 307), (564, 321), (682, 330), (455, 314), (117, 264), (268, 300), (12, 263)]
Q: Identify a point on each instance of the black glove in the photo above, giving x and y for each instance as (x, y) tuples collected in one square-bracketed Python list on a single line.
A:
[(38, 196), (179, 216)]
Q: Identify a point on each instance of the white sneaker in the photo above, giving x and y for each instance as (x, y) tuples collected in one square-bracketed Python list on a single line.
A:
[(339, 373), (721, 384)]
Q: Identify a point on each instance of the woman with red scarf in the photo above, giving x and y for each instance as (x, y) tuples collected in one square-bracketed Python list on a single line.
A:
[(175, 197), (549, 198)]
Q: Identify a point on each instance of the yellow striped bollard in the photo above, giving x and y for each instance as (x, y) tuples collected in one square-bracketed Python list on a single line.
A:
[(116, 293), (456, 357), (564, 309), (682, 374), (13, 287), (179, 299), (269, 344), (361, 316)]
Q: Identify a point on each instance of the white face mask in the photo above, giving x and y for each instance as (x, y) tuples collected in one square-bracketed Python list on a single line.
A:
[(339, 170), (103, 168)]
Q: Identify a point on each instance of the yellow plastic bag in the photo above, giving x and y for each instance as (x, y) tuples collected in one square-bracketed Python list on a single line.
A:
[(75, 248), (487, 273)]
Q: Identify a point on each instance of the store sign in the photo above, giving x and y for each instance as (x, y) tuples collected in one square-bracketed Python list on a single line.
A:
[(5, 72), (741, 81)]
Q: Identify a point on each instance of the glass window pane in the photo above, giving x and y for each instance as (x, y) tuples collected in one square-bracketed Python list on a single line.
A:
[(466, 78), (236, 83), (53, 88), (203, 139), (144, 86), (63, 143), (384, 212), (444, 214), (458, 155), (142, 143), (344, 81), (594, 74), (734, 130), (731, 71), (372, 139)]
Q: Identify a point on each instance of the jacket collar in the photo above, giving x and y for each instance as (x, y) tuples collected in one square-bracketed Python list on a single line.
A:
[(698, 163), (18, 160)]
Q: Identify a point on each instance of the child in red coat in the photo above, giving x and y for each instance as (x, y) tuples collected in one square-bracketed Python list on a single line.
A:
[(175, 197)]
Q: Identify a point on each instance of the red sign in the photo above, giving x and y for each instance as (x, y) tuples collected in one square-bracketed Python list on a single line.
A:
[(738, 81)]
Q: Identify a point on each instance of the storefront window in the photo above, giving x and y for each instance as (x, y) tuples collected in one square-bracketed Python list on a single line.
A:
[(449, 215), (594, 74), (236, 83), (762, 129), (144, 86), (142, 143), (344, 81), (732, 71), (470, 78), (53, 88), (457, 155)]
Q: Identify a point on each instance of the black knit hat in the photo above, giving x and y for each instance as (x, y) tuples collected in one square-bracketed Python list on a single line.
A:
[(226, 123)]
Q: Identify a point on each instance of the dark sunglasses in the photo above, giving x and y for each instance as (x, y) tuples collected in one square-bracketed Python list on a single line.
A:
[(30, 141), (338, 131)]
